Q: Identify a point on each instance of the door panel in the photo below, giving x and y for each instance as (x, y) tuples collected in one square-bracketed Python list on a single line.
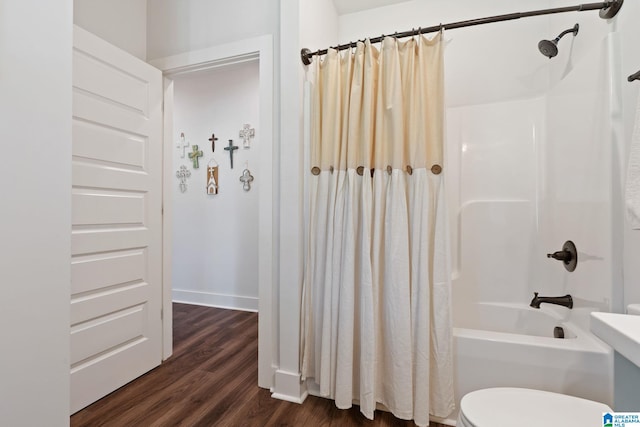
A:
[(112, 82), (98, 142), (116, 265)]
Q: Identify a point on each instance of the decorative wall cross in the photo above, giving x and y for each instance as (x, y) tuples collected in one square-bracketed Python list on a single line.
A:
[(182, 145), (182, 174), (246, 133), (246, 179), (213, 140), (195, 155), (231, 148)]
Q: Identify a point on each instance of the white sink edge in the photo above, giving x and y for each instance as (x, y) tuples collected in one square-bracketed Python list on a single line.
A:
[(620, 331)]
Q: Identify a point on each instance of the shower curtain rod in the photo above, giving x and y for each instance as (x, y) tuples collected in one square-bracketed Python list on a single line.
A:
[(608, 10)]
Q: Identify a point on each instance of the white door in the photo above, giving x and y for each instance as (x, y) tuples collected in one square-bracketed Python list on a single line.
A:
[(116, 240)]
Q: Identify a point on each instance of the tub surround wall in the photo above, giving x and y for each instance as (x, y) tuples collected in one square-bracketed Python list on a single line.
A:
[(626, 242), (577, 176), (629, 32), (525, 177), (493, 152)]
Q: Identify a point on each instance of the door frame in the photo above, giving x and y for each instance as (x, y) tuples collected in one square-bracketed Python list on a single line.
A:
[(260, 49)]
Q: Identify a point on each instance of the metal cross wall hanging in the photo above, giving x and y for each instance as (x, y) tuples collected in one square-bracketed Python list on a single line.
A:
[(246, 133), (231, 148), (182, 145), (182, 174), (195, 155), (246, 180)]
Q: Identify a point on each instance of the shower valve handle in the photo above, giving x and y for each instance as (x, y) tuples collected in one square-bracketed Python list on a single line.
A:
[(561, 256), (568, 255)]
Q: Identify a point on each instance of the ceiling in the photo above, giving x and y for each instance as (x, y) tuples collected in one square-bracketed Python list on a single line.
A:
[(349, 6)]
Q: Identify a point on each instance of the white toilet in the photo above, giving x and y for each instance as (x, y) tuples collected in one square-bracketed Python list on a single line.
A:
[(521, 407)]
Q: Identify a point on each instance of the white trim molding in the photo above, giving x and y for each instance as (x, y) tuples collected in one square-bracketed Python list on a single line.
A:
[(167, 218), (211, 299), (290, 387)]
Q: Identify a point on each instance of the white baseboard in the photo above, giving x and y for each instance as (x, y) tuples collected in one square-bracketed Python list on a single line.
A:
[(209, 299), (289, 387), (290, 398)]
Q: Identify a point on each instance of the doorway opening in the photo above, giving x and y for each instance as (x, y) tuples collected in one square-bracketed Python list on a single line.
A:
[(218, 248), (215, 218)]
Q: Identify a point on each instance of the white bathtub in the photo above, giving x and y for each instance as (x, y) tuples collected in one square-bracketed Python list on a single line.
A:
[(499, 345)]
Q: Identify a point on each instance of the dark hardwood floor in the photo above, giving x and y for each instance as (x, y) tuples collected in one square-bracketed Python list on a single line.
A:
[(211, 380)]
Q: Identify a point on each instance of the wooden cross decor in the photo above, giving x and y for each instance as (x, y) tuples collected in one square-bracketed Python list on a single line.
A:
[(213, 140), (231, 148), (195, 155), (182, 145), (212, 179), (246, 133)]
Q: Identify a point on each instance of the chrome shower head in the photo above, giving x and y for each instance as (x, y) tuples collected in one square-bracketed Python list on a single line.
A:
[(549, 48)]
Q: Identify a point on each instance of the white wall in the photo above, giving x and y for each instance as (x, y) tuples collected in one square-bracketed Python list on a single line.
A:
[(35, 106), (120, 22), (483, 64), (181, 26), (215, 237)]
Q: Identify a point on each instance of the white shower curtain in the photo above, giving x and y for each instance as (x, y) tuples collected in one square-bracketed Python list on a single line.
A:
[(376, 318)]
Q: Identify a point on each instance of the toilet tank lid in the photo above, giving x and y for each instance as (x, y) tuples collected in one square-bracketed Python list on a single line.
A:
[(508, 407)]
